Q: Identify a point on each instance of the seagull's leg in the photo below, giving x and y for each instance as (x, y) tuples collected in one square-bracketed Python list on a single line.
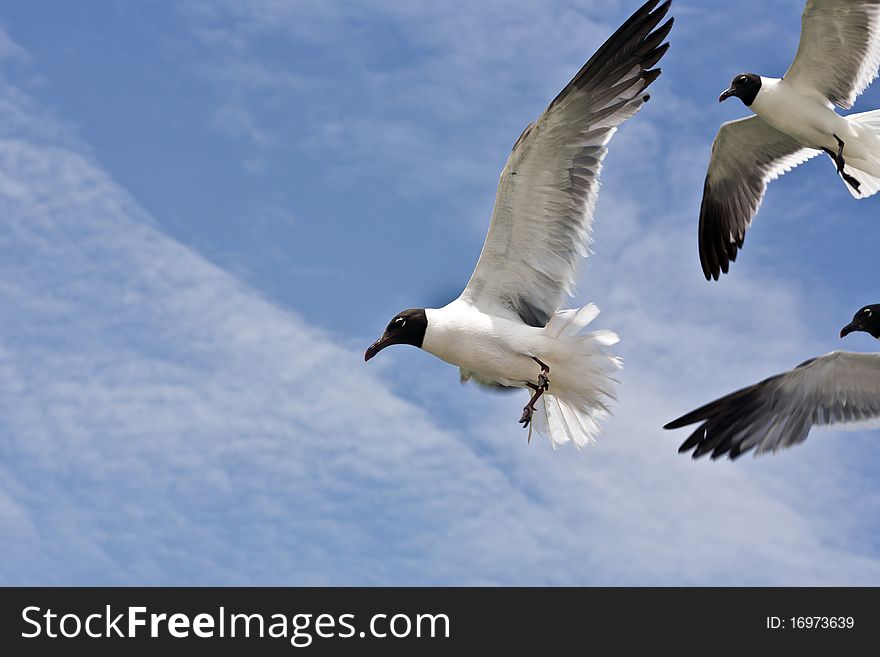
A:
[(840, 162), (837, 157), (543, 379), (539, 389)]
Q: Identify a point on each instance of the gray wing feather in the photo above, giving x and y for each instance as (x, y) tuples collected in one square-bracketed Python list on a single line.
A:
[(746, 155), (841, 387), (542, 219), (839, 51)]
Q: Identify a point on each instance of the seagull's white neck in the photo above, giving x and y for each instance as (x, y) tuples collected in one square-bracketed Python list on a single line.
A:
[(769, 89), (447, 325)]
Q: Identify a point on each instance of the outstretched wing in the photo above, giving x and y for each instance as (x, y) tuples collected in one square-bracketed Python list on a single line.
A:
[(746, 155), (780, 411), (544, 206), (839, 52)]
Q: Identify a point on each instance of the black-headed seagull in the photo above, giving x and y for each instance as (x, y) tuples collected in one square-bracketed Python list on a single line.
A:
[(837, 58), (506, 328), (840, 387)]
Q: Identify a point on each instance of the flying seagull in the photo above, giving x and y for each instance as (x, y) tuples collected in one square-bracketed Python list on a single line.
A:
[(506, 329), (778, 412), (838, 57)]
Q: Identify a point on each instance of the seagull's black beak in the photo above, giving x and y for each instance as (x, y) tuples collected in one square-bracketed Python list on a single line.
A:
[(849, 328), (727, 93), (378, 346)]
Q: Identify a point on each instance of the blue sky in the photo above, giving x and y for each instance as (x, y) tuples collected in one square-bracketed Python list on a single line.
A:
[(209, 210)]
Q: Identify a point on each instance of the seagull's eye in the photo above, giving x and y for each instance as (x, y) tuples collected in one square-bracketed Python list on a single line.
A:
[(398, 323), (866, 312), (742, 78)]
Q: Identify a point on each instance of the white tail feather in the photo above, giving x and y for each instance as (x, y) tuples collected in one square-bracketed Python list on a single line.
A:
[(871, 119), (869, 183), (580, 381), (571, 321)]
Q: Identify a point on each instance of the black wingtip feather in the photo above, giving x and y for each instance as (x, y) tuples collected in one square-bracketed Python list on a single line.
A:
[(650, 76), (656, 38), (722, 233), (693, 440), (723, 422), (655, 57), (635, 39), (681, 422)]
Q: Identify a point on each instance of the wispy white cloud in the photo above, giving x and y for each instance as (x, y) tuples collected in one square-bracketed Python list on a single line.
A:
[(235, 121), (419, 108), (161, 422), (9, 49)]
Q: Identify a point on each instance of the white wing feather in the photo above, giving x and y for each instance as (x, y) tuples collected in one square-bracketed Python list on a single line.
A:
[(839, 51), (543, 212)]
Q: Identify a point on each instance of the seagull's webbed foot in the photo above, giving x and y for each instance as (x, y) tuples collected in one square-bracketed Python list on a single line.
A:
[(526, 417), (529, 409), (542, 386), (855, 184)]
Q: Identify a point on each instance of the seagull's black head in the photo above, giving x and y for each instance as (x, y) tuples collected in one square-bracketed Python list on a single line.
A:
[(744, 86), (867, 320), (407, 327)]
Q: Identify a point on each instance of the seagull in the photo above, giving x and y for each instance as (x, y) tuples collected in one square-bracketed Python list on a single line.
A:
[(840, 387), (506, 329), (794, 120)]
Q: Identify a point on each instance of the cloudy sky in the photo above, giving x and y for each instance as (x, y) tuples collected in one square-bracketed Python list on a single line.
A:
[(209, 209)]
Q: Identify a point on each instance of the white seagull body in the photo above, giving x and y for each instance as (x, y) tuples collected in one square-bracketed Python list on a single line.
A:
[(795, 120), (838, 388), (496, 351), (506, 330)]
